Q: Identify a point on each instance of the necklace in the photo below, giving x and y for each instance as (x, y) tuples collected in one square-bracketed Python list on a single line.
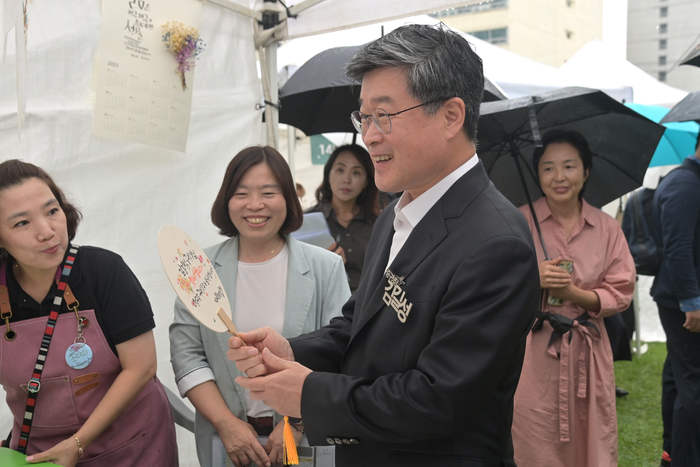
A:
[(278, 244), (250, 259)]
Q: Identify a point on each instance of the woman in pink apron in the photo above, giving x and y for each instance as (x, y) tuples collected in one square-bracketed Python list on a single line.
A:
[(77, 354)]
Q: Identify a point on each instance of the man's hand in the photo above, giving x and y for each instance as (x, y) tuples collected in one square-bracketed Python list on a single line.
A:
[(692, 321), (281, 387), (249, 359)]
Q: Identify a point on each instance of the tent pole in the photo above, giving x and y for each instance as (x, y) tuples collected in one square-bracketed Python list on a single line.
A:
[(291, 148), (271, 65)]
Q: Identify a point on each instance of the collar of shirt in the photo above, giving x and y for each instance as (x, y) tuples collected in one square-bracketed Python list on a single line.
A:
[(409, 211), (414, 210), (694, 159), (543, 212), (327, 209)]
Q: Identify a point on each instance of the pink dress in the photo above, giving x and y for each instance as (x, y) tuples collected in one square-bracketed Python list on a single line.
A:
[(564, 412)]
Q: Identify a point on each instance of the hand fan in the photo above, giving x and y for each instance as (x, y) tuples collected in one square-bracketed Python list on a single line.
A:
[(194, 279), (196, 283)]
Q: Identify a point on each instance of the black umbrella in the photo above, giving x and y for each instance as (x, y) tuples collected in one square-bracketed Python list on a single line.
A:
[(319, 96), (692, 57), (622, 141), (686, 110)]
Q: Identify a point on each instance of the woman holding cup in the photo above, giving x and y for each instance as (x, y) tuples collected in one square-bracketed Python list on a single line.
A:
[(564, 410)]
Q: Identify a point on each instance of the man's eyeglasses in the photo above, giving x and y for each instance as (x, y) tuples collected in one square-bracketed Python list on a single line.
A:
[(380, 117)]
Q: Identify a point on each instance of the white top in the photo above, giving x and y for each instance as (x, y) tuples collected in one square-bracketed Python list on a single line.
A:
[(409, 211), (261, 293)]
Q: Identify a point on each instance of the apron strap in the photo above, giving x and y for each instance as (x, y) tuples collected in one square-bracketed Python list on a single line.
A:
[(34, 384)]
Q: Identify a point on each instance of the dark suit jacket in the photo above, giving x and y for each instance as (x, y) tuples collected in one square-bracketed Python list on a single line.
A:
[(438, 389), (675, 214)]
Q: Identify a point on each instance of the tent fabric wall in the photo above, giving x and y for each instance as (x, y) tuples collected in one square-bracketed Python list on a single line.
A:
[(128, 191)]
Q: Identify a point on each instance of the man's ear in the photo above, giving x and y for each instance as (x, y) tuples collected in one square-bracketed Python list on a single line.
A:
[(454, 114)]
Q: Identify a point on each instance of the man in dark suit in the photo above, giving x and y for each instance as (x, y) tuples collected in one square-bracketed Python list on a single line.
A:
[(422, 366), (675, 214)]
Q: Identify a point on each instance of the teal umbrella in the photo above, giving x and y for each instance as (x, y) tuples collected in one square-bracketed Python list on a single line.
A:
[(678, 141)]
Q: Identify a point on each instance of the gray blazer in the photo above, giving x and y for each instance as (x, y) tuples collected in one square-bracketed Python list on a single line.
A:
[(317, 288)]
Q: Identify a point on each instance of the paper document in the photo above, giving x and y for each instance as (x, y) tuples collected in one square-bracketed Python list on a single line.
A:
[(139, 95), (315, 231)]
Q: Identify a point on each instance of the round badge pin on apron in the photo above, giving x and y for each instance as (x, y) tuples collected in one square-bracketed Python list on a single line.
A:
[(79, 354)]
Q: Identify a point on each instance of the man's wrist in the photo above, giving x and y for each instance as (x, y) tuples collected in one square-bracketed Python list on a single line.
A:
[(689, 304)]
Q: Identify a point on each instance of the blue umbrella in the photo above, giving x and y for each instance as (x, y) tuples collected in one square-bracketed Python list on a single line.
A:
[(678, 141)]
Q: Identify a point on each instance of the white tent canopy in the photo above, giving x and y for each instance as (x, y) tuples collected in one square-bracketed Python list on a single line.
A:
[(593, 66)]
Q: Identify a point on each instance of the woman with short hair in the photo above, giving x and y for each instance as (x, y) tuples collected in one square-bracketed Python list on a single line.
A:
[(272, 280), (78, 352)]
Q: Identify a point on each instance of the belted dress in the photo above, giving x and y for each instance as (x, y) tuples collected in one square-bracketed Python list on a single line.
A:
[(117, 310), (564, 412)]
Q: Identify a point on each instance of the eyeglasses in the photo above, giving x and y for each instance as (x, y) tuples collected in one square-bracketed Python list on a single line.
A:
[(380, 117)]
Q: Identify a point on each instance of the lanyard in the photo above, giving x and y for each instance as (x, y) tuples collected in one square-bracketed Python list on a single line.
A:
[(34, 384)]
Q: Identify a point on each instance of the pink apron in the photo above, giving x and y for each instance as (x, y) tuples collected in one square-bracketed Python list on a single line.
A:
[(143, 435)]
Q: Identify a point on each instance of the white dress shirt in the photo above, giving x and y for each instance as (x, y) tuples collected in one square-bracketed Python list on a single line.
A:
[(409, 211)]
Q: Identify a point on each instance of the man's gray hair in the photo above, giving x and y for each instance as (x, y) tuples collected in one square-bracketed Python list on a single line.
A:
[(439, 63)]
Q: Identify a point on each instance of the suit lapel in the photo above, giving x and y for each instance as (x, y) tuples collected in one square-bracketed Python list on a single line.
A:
[(382, 235), (424, 238), (428, 234)]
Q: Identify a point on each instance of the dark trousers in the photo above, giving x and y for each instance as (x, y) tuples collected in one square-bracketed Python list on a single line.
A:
[(680, 399)]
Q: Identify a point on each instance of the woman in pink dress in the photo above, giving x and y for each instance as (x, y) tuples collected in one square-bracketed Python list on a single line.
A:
[(564, 411)]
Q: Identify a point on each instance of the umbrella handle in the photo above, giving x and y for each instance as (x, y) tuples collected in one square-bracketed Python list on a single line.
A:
[(515, 154)]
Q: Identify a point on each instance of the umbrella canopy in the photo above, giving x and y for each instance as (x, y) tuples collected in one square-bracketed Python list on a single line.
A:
[(622, 140), (692, 57), (319, 96), (688, 109), (678, 140)]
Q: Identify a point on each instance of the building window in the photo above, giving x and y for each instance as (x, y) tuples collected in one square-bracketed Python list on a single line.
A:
[(569, 3), (662, 44), (662, 76), (494, 36), (663, 28), (463, 10), (662, 60), (663, 11)]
